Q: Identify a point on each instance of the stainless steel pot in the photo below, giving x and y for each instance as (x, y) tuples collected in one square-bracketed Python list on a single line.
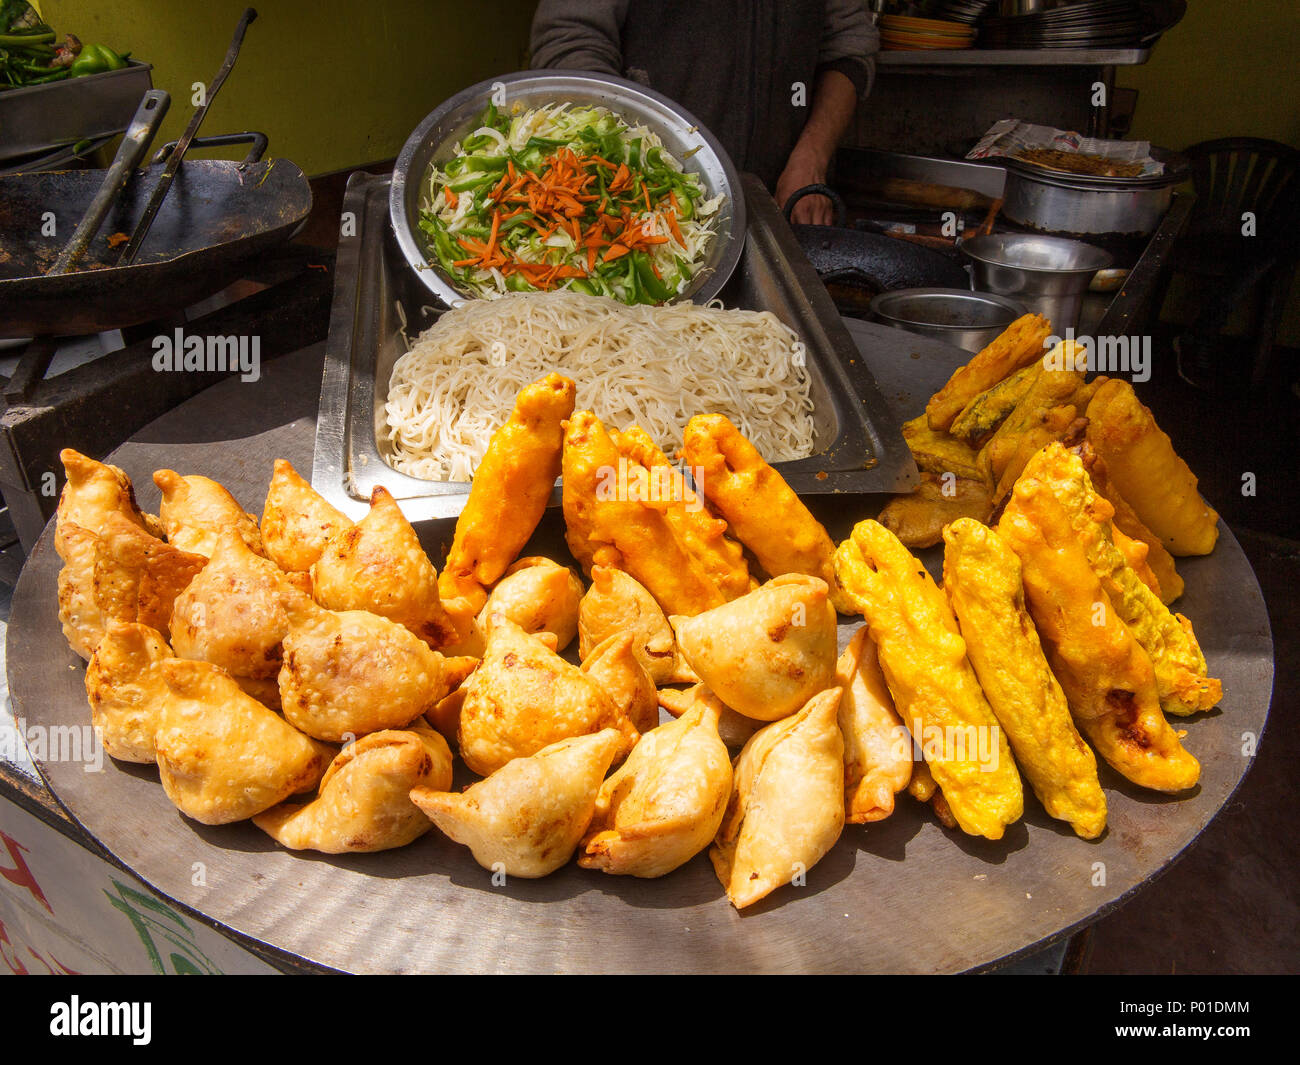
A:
[(1076, 205), (957, 316), (1048, 274)]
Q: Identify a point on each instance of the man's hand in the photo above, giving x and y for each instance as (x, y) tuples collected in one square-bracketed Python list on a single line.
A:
[(804, 168), (833, 102)]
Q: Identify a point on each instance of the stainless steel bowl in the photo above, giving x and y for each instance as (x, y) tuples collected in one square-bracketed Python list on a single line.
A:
[(965, 319), (692, 145), (1048, 274)]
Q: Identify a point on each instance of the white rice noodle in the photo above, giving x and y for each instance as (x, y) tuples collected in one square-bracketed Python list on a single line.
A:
[(655, 367)]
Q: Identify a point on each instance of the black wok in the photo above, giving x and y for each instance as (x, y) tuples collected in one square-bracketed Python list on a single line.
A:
[(869, 260), (217, 215)]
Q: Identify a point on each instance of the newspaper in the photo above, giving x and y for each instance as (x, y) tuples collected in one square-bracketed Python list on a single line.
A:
[(1010, 137)]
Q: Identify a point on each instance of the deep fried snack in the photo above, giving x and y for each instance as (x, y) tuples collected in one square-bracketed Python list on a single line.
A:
[(877, 748), (1107, 678), (137, 576), (1182, 676), (92, 491), (349, 673), (607, 528), (510, 488), (1033, 416), (297, 521), (1126, 521), (665, 803), (1147, 472), (940, 453), (787, 803), (923, 657), (538, 595), (983, 414), (982, 578), (528, 817), (614, 667), (80, 616), (767, 653), (917, 519), (703, 535), (222, 755), (616, 602), (763, 511), (364, 803), (1018, 345), (378, 565), (1135, 554), (195, 509), (233, 614), (734, 728), (126, 689), (524, 697)]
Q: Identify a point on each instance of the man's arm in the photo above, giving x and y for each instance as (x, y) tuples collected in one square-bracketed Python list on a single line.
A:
[(834, 99), (579, 35)]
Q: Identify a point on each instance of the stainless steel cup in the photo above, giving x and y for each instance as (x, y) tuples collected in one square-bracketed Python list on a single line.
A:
[(1048, 275)]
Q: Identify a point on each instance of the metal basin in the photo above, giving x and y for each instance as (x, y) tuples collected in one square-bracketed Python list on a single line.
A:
[(1048, 275), (965, 319), (688, 142)]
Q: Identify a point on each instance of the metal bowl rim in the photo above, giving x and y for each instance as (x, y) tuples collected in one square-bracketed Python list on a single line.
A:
[(1106, 258), (728, 260), (883, 299)]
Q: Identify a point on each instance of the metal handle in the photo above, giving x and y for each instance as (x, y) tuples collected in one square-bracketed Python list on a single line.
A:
[(259, 142), (841, 212), (148, 117)]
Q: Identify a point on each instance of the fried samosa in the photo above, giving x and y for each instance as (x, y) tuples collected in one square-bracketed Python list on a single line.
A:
[(877, 748), (524, 697), (538, 595), (935, 690), (378, 565), (92, 491), (787, 803), (734, 729), (616, 602), (126, 689), (349, 673), (614, 667), (297, 521), (528, 817), (222, 755), (663, 805), (194, 510), (767, 653), (137, 577), (981, 576), (233, 613), (364, 804), (80, 615)]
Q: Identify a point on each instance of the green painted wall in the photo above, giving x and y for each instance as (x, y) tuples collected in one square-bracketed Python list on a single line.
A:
[(1227, 70), (333, 84)]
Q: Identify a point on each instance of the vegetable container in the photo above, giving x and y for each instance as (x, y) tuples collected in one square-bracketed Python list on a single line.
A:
[(38, 118), (694, 147)]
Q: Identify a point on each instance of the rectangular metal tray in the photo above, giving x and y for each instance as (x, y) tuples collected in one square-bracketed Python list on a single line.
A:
[(41, 117), (859, 442)]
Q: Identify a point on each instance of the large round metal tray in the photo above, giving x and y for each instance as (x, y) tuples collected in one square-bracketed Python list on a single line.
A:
[(903, 895), (689, 142)]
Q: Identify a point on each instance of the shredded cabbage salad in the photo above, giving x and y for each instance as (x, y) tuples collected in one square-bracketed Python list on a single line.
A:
[(567, 197)]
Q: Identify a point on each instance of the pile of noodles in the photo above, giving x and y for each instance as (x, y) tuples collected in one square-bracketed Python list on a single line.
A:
[(655, 367)]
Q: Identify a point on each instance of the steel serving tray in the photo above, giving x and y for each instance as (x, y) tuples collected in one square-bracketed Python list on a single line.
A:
[(902, 895), (40, 117), (685, 139), (858, 438)]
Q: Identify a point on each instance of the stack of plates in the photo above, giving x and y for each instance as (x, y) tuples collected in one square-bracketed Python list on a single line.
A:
[(902, 34), (967, 11), (1088, 24)]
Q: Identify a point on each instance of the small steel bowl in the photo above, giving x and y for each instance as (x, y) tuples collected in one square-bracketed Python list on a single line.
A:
[(693, 146), (965, 319)]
